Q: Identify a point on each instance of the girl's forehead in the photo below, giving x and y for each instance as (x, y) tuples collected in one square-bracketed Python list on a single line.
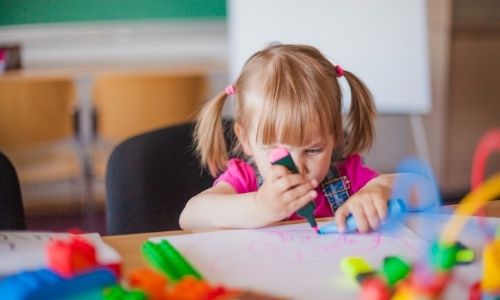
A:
[(288, 135), (285, 121)]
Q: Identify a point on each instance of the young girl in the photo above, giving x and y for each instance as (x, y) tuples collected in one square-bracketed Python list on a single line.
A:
[(289, 96)]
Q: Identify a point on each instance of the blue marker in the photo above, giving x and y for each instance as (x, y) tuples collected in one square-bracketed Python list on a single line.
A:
[(394, 209)]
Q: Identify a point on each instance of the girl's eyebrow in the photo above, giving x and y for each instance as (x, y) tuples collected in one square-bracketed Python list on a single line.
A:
[(316, 143)]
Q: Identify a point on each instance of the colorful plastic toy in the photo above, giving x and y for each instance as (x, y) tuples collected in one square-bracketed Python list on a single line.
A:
[(166, 259), (152, 283), (45, 284), (117, 292), (429, 279), (70, 257)]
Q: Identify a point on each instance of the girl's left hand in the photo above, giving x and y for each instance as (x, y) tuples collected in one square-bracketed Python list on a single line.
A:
[(368, 205)]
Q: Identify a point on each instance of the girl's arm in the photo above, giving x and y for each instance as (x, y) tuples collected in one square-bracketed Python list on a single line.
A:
[(220, 206)]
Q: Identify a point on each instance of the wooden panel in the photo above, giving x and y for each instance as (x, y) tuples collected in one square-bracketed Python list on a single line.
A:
[(35, 110), (36, 128), (474, 105), (131, 104)]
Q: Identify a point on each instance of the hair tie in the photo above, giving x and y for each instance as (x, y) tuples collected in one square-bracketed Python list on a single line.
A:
[(230, 90), (339, 70)]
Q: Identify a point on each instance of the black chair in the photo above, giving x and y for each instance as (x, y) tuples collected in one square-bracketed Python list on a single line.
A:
[(149, 179), (11, 204)]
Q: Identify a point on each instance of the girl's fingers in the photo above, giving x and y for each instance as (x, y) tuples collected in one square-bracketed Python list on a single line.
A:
[(285, 183), (340, 214), (381, 207), (278, 171), (360, 217), (291, 182), (303, 200), (371, 214), (297, 192)]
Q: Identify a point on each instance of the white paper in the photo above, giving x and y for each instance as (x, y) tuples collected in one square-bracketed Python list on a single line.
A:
[(25, 250), (292, 260)]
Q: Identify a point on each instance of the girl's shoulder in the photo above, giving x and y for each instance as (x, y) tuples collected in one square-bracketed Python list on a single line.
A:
[(353, 163), (350, 160), (240, 175), (354, 168), (238, 166)]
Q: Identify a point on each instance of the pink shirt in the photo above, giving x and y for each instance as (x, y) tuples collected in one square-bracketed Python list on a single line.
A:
[(241, 176)]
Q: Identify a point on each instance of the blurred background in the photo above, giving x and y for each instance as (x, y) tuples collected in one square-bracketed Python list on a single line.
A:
[(79, 76)]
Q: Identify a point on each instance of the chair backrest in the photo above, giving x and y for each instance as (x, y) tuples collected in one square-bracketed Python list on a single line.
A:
[(34, 111), (11, 212), (150, 178), (129, 103), (37, 127)]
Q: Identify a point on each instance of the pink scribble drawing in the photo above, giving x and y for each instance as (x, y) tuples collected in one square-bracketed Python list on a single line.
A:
[(266, 248)]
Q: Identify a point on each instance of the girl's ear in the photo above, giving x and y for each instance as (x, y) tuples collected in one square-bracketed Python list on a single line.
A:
[(242, 136)]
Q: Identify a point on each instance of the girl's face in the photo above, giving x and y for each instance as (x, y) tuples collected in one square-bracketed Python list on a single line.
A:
[(312, 159)]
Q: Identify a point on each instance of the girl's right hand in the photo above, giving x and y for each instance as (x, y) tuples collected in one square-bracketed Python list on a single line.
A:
[(283, 193)]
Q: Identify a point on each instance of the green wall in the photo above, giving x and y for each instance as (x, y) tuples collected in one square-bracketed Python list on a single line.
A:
[(16, 12)]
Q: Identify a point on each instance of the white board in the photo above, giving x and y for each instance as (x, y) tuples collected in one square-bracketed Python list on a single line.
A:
[(384, 42)]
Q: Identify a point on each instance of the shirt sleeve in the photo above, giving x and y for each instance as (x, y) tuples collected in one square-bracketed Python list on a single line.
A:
[(240, 175), (357, 173)]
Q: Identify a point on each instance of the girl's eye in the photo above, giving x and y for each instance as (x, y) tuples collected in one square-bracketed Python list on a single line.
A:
[(314, 150)]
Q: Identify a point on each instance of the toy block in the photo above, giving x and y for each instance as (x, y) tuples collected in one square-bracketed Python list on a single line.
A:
[(70, 257), (375, 288), (46, 284), (428, 282), (464, 255), (475, 291), (395, 269), (443, 256), (189, 288), (356, 267), (151, 282), (490, 282), (117, 292)]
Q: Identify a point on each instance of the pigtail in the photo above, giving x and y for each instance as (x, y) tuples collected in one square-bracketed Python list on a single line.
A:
[(360, 120), (209, 135)]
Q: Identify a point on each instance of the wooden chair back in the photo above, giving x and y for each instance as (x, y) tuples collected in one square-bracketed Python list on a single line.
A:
[(34, 111), (130, 104)]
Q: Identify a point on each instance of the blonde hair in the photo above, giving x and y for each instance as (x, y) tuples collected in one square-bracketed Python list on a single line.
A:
[(299, 87)]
